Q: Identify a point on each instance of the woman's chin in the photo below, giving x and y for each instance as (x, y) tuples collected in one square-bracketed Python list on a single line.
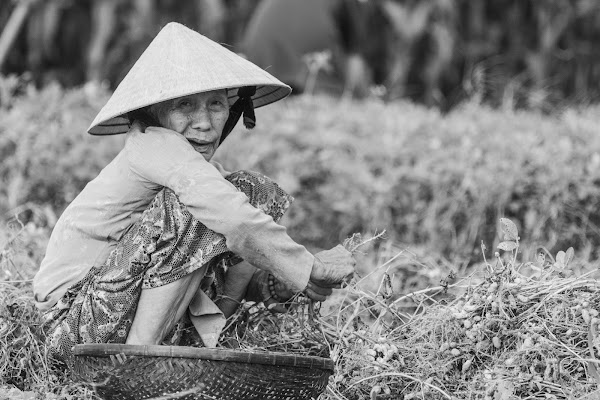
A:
[(207, 154), (206, 151)]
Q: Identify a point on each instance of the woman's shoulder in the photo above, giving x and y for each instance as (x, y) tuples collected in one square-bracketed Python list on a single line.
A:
[(154, 139), (155, 148), (161, 155)]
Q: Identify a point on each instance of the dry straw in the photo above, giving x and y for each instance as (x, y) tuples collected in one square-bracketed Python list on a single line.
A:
[(24, 366), (526, 330)]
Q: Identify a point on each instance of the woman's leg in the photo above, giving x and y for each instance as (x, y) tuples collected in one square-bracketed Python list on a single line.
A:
[(161, 307), (234, 288), (154, 317)]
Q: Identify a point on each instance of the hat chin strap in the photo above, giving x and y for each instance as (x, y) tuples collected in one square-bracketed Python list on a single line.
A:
[(242, 106)]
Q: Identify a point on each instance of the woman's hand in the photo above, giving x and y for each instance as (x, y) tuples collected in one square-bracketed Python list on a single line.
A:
[(331, 269)]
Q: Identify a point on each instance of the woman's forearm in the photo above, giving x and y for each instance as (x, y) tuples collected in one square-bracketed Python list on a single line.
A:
[(162, 156)]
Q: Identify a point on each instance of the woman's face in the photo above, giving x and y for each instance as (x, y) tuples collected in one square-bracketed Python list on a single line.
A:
[(200, 118)]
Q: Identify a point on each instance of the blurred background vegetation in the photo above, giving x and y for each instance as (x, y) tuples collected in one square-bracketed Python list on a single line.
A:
[(524, 53), (474, 110)]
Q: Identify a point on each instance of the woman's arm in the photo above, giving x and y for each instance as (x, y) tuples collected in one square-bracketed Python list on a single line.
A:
[(164, 157)]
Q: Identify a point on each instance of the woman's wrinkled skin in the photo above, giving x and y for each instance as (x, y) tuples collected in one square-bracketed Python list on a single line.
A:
[(200, 118)]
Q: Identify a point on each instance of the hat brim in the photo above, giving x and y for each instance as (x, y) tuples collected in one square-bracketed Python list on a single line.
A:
[(265, 94)]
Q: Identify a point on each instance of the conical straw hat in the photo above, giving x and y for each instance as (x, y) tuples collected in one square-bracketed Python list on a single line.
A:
[(180, 62)]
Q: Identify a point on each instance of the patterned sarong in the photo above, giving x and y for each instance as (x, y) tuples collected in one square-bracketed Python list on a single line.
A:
[(166, 244)]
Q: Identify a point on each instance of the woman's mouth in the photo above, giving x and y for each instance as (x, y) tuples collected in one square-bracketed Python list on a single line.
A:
[(207, 149), (202, 147)]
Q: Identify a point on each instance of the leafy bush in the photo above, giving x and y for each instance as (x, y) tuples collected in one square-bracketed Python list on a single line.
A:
[(428, 178), (437, 180), (46, 155)]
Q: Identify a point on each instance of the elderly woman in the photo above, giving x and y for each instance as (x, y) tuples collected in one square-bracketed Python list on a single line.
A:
[(147, 248)]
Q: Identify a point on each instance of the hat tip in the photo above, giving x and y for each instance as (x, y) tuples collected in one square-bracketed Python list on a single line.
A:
[(172, 24), (175, 28)]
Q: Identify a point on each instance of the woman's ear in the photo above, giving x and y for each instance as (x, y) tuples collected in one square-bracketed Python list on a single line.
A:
[(136, 124), (144, 117)]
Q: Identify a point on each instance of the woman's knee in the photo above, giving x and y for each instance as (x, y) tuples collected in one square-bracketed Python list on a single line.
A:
[(262, 192)]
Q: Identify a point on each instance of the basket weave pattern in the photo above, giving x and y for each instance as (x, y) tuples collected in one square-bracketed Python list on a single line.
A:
[(150, 376)]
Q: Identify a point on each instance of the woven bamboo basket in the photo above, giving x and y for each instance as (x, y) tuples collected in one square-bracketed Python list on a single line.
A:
[(123, 372)]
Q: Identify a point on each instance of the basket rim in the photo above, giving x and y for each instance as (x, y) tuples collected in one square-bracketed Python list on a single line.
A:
[(228, 355)]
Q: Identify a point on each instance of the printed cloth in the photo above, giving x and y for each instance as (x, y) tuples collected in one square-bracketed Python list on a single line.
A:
[(166, 244)]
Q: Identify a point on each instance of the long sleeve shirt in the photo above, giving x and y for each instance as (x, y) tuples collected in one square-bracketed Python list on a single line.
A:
[(93, 223)]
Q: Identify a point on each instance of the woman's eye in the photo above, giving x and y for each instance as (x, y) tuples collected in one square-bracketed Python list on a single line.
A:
[(217, 104), (184, 104)]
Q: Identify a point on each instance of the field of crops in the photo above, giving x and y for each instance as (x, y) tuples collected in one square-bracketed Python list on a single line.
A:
[(430, 315)]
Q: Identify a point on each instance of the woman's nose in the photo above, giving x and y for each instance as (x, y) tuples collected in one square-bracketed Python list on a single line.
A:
[(201, 120)]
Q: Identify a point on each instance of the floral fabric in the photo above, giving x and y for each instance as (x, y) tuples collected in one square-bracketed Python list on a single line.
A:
[(166, 244)]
